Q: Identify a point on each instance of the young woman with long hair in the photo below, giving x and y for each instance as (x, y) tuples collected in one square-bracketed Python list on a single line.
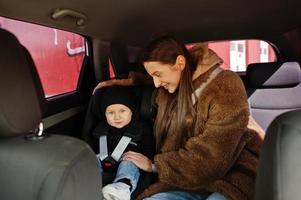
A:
[(204, 147)]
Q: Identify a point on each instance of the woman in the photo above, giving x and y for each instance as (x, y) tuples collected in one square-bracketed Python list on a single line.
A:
[(204, 148)]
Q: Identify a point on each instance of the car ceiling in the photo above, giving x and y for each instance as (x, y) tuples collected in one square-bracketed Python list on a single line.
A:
[(136, 20)]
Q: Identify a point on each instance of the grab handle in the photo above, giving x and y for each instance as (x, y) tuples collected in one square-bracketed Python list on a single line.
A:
[(62, 13)]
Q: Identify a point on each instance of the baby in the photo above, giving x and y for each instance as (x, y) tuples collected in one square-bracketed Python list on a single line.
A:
[(122, 131)]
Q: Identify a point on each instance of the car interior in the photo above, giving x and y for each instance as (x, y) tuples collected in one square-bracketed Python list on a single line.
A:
[(46, 149)]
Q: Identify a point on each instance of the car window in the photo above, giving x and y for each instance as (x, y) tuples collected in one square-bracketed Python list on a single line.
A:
[(58, 55), (238, 54)]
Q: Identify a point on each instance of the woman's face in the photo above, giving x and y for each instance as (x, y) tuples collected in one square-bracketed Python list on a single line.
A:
[(166, 75)]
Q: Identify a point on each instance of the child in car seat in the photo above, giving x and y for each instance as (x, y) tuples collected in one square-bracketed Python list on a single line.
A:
[(120, 128)]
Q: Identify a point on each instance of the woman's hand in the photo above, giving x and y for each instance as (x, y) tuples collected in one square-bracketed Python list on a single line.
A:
[(139, 160), (255, 126)]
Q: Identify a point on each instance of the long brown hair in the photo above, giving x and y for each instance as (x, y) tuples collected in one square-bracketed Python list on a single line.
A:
[(175, 113)]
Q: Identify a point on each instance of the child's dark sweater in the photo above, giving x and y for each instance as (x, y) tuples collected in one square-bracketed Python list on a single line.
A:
[(141, 133)]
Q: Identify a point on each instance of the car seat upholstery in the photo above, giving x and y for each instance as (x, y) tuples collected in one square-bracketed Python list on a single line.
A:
[(273, 88), (32, 166), (278, 176)]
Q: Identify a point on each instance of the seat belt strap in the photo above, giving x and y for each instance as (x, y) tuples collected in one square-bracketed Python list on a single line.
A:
[(121, 146), (103, 147), (118, 151), (197, 93)]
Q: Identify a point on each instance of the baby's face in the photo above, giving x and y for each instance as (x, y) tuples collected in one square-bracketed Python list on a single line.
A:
[(118, 115)]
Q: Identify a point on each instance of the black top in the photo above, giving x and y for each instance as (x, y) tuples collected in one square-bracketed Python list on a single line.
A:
[(141, 133)]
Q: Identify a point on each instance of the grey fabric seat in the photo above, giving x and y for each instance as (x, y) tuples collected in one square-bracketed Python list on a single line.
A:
[(274, 88), (32, 167), (278, 176)]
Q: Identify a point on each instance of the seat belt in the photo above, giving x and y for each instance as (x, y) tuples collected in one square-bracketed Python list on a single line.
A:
[(118, 151), (121, 146), (103, 147), (197, 93)]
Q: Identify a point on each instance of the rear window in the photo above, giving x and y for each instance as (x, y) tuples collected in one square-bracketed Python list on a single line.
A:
[(58, 55), (238, 54)]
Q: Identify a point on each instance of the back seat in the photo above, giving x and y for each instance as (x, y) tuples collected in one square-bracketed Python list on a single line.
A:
[(273, 88)]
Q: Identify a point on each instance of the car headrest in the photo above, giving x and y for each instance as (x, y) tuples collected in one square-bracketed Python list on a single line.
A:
[(119, 58), (278, 175), (273, 75), (20, 102)]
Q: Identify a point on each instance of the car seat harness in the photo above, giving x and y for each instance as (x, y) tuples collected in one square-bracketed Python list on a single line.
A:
[(109, 162)]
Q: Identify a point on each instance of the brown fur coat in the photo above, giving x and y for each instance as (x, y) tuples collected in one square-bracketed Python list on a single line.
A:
[(222, 157)]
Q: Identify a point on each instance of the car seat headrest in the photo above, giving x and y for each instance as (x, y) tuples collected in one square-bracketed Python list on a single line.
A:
[(20, 102), (273, 75)]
